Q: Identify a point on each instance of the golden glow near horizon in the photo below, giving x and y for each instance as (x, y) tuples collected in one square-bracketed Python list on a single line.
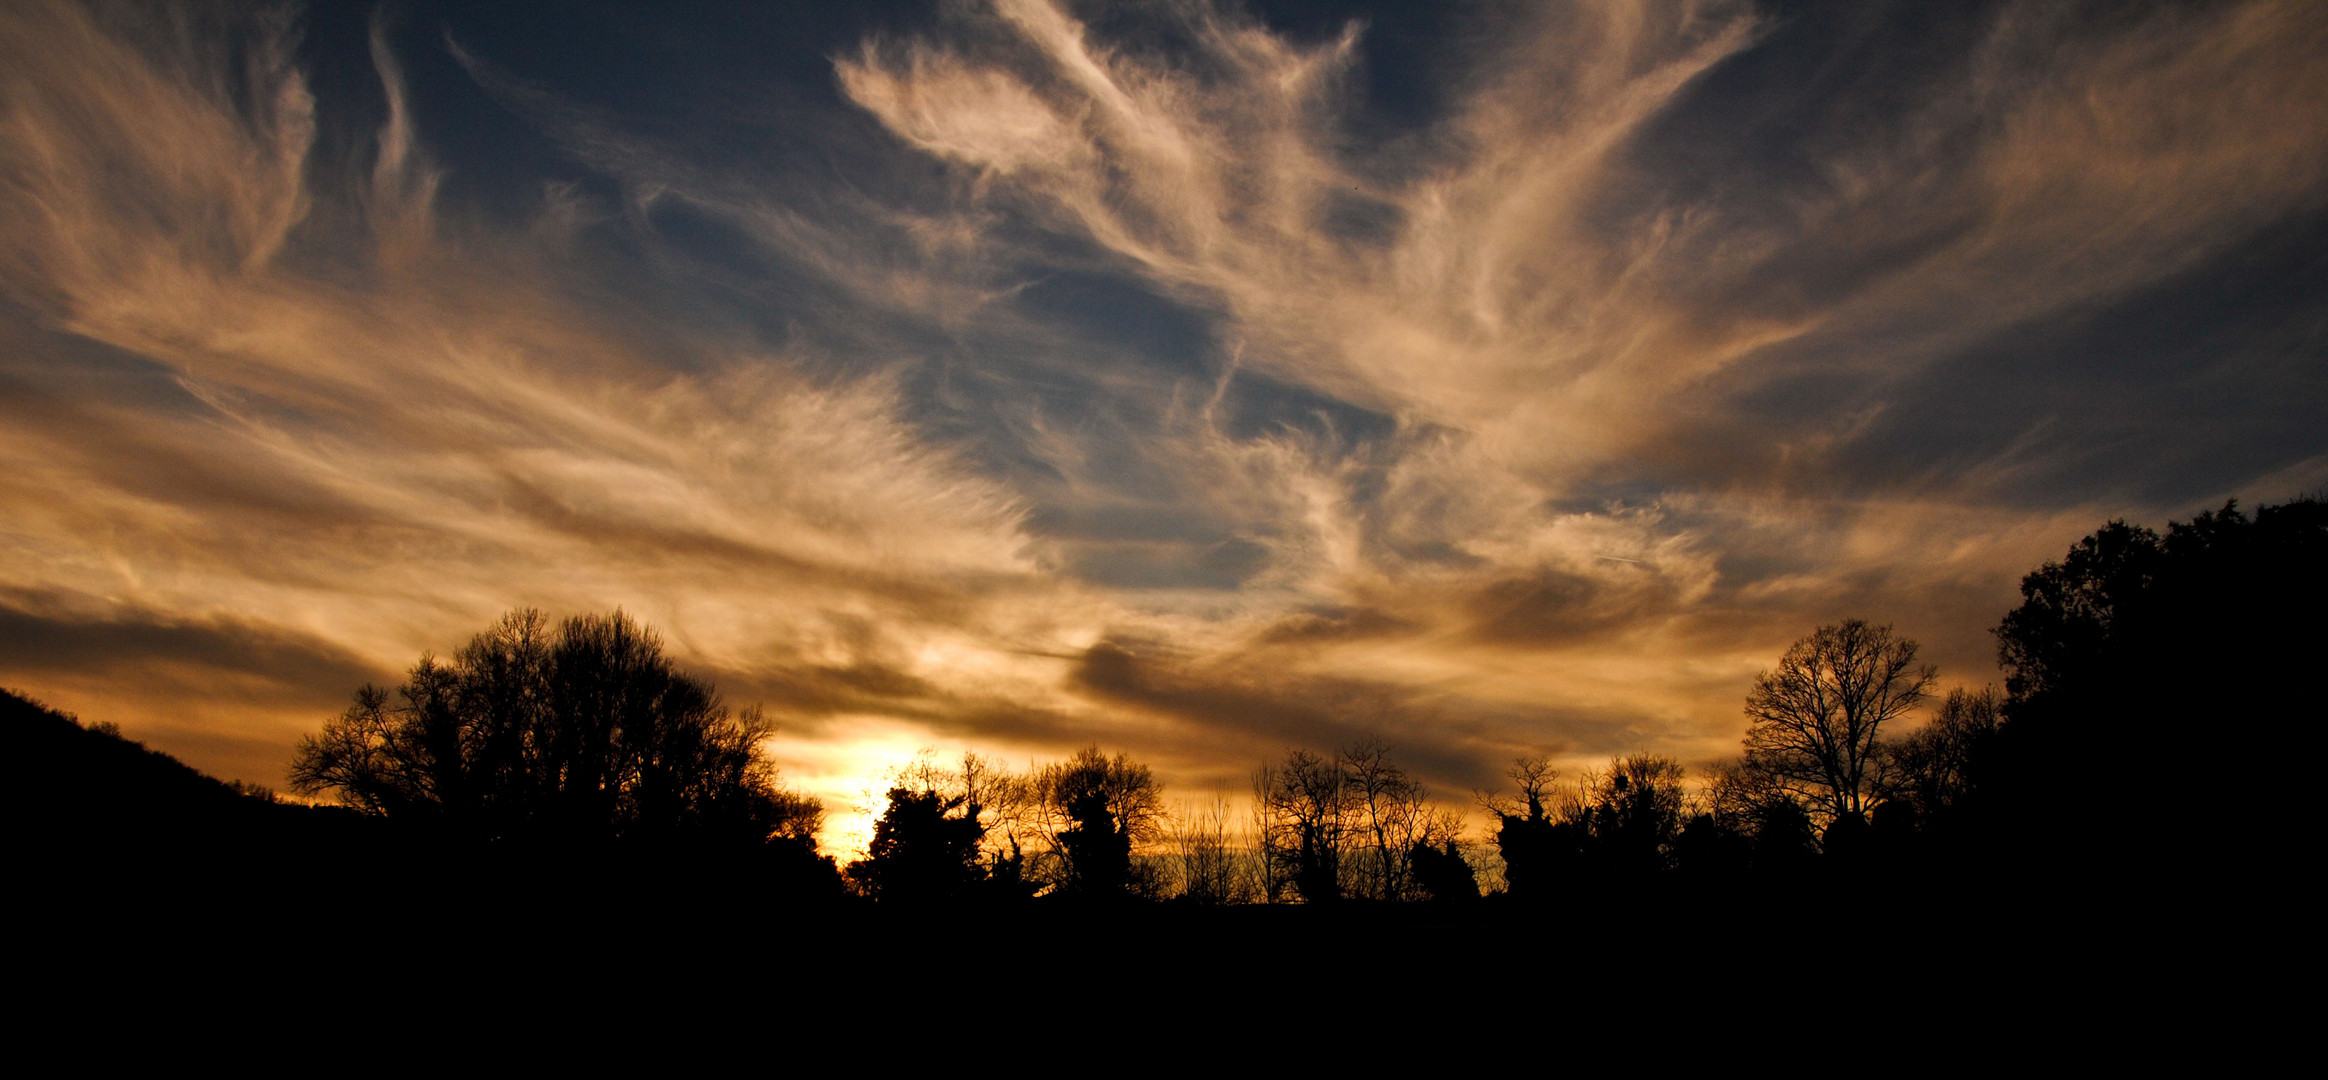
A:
[(1140, 395)]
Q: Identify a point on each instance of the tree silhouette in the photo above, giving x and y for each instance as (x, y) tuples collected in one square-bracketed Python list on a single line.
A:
[(2136, 642), (924, 851), (2131, 618), (1934, 768), (1207, 866), (1818, 716), (1096, 847), (1101, 807), (2060, 640), (1633, 814), (1391, 816), (1537, 850), (1785, 840), (1304, 808), (1624, 821), (585, 734), (1345, 825), (1441, 872), (1750, 822)]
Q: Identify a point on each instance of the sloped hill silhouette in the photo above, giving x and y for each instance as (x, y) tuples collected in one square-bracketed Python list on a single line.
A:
[(84, 799), (91, 778)]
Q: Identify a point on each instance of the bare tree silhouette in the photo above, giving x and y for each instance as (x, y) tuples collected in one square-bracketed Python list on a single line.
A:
[(1305, 815), (1818, 715)]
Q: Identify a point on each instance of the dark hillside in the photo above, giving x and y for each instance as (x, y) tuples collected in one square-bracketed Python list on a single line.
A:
[(88, 809), (91, 779)]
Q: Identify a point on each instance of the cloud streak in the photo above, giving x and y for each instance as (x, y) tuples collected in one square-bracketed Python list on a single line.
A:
[(1047, 375)]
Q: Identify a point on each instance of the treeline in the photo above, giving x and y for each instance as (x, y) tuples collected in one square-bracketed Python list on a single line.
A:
[(2134, 651), (2129, 660), (577, 749), (1094, 829)]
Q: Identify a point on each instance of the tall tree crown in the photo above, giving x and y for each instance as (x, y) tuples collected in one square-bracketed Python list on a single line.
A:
[(586, 732)]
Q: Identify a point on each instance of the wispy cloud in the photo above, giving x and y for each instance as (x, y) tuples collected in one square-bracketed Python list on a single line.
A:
[(1063, 376), (381, 449)]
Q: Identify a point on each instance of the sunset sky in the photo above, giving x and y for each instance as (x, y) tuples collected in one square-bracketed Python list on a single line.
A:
[(1198, 380)]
